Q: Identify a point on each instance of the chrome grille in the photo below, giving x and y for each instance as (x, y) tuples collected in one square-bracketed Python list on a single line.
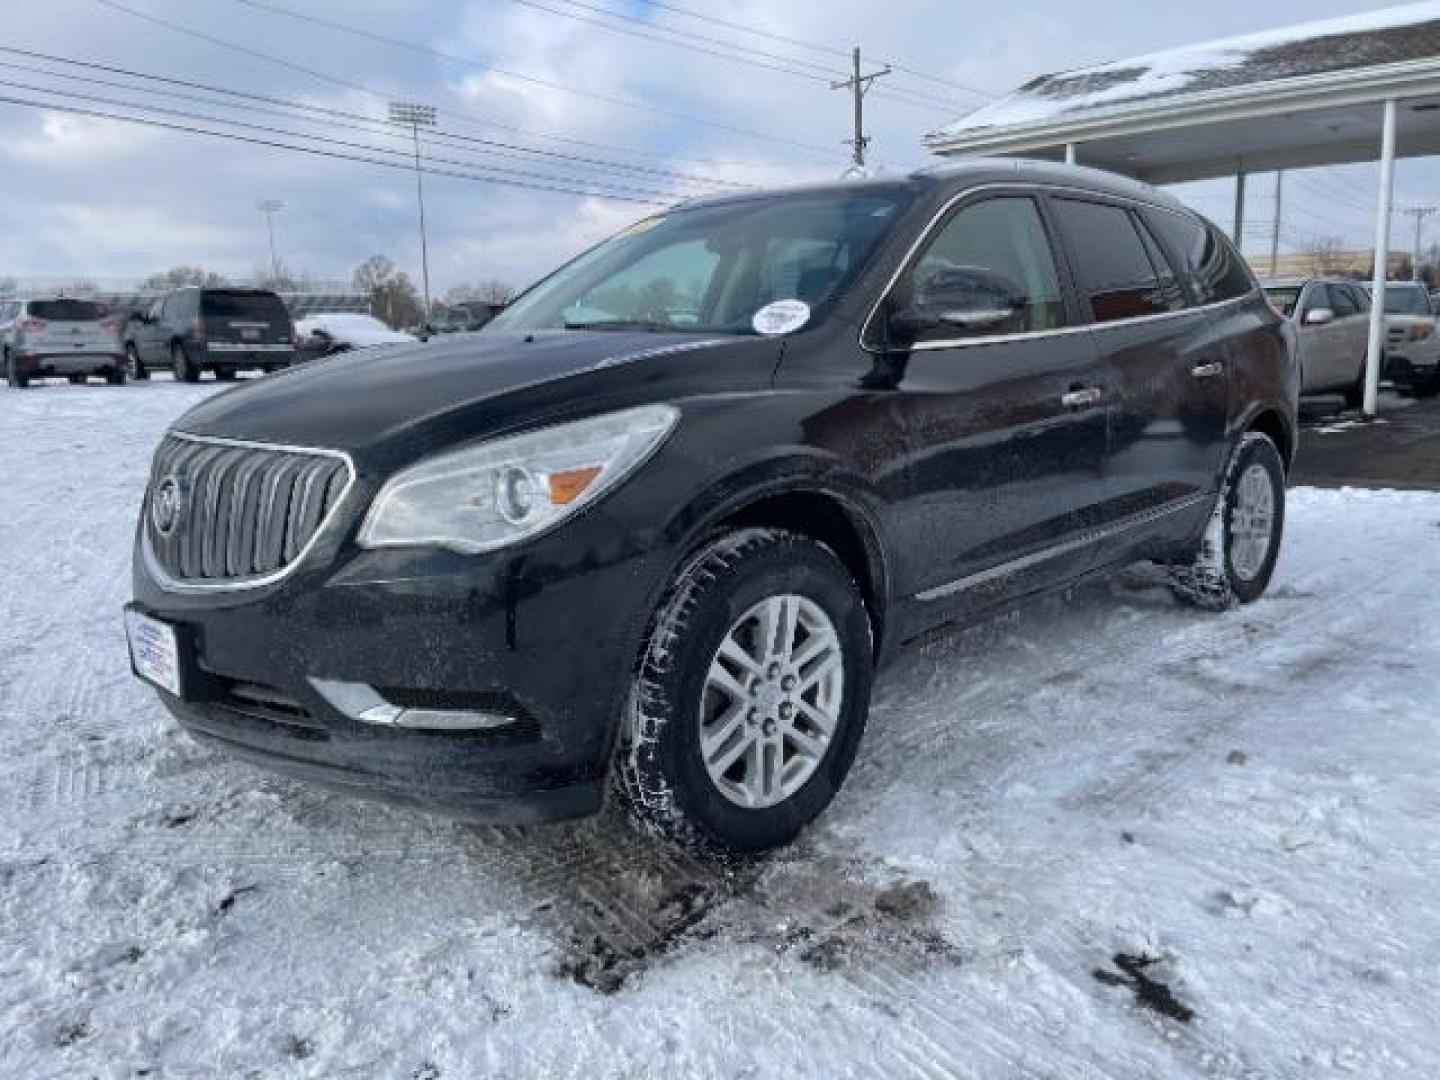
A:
[(246, 511)]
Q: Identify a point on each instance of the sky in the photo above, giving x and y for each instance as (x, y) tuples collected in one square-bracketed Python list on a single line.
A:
[(535, 92)]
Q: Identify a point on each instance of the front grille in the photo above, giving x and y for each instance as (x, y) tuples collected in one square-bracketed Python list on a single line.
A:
[(244, 510)]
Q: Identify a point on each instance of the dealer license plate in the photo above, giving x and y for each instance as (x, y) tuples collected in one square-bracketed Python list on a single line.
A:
[(154, 650)]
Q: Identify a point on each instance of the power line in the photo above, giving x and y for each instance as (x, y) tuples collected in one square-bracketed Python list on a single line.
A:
[(334, 117), (817, 46), (461, 117), (466, 61), (741, 53), (535, 182)]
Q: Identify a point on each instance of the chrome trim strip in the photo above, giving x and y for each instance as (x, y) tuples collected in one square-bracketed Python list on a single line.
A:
[(1094, 536), (176, 585), (991, 339)]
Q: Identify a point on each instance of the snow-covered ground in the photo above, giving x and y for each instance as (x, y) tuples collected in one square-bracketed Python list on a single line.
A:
[(1103, 837)]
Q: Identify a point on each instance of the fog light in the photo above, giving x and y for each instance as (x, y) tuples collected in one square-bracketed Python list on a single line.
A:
[(362, 702)]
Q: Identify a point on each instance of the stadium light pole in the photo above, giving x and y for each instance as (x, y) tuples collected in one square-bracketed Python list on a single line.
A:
[(418, 116), (271, 207)]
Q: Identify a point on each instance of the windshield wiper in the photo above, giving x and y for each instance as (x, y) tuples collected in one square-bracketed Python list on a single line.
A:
[(622, 324)]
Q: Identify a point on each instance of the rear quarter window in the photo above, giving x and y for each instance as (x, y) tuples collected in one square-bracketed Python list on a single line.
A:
[(1212, 267)]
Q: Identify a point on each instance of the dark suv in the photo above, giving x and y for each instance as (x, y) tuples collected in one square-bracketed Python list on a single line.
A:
[(192, 330), (662, 517)]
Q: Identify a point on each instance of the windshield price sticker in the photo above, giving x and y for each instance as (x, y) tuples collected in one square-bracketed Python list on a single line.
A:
[(781, 317)]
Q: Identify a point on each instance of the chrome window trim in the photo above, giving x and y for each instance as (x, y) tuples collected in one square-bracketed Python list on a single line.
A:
[(1075, 543), (180, 586), (1030, 186)]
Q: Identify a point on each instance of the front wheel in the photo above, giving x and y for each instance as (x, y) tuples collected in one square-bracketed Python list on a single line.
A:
[(1237, 554), (751, 696), (17, 379), (135, 367)]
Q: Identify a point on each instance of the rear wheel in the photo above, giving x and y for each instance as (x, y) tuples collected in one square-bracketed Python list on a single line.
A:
[(751, 697), (1237, 554), (1355, 393), (115, 376), (224, 374), (77, 380), (180, 362)]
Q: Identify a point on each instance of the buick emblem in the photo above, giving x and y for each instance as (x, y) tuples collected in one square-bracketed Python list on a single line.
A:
[(165, 507)]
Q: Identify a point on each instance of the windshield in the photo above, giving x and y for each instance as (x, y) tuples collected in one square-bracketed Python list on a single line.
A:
[(1406, 301), (1283, 298), (711, 268)]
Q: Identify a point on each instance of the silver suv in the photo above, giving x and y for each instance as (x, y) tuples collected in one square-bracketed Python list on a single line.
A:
[(62, 336), (1332, 323), (1412, 344)]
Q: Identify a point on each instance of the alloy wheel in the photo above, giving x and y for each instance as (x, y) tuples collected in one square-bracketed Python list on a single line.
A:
[(1252, 522), (771, 703)]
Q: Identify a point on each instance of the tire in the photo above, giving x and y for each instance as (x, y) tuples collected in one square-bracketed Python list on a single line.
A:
[(720, 599), (115, 376), (77, 380), (224, 374), (1426, 389), (135, 367), (1231, 565), (1355, 394), (180, 362), (17, 379)]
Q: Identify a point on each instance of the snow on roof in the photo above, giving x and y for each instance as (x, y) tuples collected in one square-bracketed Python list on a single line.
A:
[(1387, 36)]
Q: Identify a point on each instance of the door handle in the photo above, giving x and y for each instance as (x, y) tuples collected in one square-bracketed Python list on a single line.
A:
[(1207, 371), (1081, 395)]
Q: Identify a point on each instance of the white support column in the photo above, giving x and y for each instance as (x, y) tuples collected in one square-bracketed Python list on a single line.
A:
[(1069, 153), (1375, 353), (1239, 228)]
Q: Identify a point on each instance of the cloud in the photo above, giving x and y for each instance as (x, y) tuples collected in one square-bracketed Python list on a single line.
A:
[(69, 142)]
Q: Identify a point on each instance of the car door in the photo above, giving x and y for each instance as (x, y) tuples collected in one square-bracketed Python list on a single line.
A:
[(1352, 332), (148, 335), (1324, 344), (1163, 363), (1004, 424)]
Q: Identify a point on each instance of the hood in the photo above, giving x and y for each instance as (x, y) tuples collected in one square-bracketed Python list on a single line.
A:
[(352, 400)]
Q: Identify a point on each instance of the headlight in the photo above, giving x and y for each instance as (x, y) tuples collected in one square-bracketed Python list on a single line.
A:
[(1421, 332), (500, 492)]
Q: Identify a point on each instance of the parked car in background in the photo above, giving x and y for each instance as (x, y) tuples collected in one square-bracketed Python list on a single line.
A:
[(193, 330), (1412, 345), (327, 332), (665, 514), (1332, 322), (62, 336)]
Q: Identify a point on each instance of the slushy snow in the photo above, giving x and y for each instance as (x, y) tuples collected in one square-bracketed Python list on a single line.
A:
[(1106, 836)]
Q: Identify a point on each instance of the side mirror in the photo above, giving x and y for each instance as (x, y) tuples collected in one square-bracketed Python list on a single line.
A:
[(968, 298), (1319, 316)]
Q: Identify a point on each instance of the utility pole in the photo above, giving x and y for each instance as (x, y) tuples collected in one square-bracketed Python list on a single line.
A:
[(858, 84), (1275, 225), (271, 207), (1419, 213), (418, 116)]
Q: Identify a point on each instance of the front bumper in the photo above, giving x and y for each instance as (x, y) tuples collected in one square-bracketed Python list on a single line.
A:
[(1406, 368), (548, 638)]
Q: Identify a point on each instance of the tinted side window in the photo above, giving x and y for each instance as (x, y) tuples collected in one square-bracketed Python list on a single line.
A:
[(1001, 242), (1110, 260), (1211, 266), (1171, 294), (1361, 297), (1316, 296), (1342, 302)]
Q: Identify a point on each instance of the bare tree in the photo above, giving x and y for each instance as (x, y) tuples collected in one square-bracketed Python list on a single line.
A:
[(179, 276), (1325, 255), (489, 291), (393, 296), (279, 278)]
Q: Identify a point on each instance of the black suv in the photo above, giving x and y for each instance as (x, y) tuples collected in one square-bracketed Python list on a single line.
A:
[(225, 331), (663, 516)]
